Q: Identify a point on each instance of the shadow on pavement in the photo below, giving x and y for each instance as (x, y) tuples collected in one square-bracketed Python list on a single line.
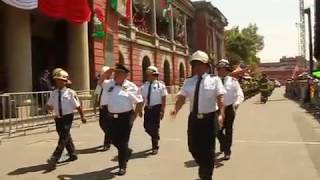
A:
[(102, 174), (137, 155), (91, 150), (192, 163), (42, 167)]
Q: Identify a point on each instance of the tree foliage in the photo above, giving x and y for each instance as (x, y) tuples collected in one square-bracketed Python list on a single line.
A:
[(243, 45)]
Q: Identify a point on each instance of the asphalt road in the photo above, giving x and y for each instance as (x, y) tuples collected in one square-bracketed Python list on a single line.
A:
[(274, 141)]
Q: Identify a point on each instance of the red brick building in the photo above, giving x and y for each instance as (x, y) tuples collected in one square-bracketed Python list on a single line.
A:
[(285, 69), (156, 33), (210, 37)]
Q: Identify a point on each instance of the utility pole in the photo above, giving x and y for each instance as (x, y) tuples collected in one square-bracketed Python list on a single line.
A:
[(311, 63)]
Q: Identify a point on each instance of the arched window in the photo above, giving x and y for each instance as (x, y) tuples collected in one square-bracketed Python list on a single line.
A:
[(182, 74), (166, 68), (145, 64), (121, 58)]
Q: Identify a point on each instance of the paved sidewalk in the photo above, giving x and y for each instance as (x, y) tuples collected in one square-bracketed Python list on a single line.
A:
[(275, 141)]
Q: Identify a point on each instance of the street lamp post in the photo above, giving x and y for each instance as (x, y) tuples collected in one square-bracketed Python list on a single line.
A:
[(311, 63)]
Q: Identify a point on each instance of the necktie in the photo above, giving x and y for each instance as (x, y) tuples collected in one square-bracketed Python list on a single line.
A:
[(60, 104), (149, 94), (222, 79), (99, 101), (196, 97)]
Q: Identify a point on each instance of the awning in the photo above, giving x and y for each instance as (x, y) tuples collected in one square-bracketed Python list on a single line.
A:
[(22, 4), (75, 11)]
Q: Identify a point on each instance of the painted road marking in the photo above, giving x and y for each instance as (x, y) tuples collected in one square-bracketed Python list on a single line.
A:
[(279, 142)]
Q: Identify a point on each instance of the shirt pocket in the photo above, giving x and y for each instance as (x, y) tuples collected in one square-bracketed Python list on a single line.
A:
[(124, 94), (66, 98), (209, 90)]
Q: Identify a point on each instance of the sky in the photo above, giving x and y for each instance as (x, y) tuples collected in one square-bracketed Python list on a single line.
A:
[(276, 20)]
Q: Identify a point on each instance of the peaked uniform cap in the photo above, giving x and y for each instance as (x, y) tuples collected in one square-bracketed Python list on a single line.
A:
[(223, 63), (120, 67)]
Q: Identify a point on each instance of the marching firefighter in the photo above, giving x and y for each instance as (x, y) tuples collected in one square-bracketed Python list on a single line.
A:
[(154, 94), (122, 97), (232, 99), (264, 88), (63, 101), (102, 102), (206, 97)]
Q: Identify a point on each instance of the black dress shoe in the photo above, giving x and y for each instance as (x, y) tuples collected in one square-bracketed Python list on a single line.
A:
[(154, 151), (52, 163), (121, 172), (226, 157), (106, 147), (73, 158)]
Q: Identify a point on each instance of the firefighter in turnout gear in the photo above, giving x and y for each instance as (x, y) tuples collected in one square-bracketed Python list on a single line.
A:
[(264, 88)]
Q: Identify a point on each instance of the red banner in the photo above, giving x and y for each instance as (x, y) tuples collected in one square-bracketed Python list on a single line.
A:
[(75, 11)]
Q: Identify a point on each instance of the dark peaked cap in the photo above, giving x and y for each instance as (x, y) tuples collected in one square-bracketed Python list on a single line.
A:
[(120, 67)]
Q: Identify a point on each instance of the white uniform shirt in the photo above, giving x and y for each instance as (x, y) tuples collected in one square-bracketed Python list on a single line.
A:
[(104, 95), (234, 95), (210, 88), (158, 90), (69, 101), (121, 98)]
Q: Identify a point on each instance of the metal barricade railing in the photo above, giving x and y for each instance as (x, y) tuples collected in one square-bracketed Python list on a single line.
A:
[(26, 111), (20, 112)]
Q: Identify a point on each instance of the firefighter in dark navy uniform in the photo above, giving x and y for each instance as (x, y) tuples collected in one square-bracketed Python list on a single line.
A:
[(206, 97), (154, 93)]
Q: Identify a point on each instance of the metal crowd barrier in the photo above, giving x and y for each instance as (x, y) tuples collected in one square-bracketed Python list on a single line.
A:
[(26, 111), (20, 112)]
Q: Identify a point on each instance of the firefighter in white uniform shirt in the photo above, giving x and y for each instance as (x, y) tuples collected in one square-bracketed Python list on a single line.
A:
[(101, 102), (124, 104), (154, 94), (206, 97), (232, 99), (63, 101)]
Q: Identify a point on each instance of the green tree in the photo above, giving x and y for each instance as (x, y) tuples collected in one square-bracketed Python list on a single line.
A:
[(244, 45)]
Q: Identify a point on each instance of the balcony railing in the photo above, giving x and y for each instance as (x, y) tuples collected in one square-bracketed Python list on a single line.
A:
[(128, 33)]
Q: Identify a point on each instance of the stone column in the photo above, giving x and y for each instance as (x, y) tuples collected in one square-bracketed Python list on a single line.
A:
[(78, 63), (17, 49), (154, 17), (185, 30), (171, 25)]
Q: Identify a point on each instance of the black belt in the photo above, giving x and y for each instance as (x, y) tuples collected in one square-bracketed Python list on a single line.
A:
[(202, 115), (64, 116), (152, 107), (118, 115)]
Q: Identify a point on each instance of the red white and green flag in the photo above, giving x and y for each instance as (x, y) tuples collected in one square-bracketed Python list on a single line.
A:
[(123, 7)]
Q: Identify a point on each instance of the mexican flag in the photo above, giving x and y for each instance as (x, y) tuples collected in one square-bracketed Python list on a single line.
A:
[(123, 7)]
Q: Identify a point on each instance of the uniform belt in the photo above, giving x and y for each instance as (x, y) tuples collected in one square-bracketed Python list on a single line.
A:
[(202, 115), (104, 107), (152, 107), (58, 117), (118, 115)]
